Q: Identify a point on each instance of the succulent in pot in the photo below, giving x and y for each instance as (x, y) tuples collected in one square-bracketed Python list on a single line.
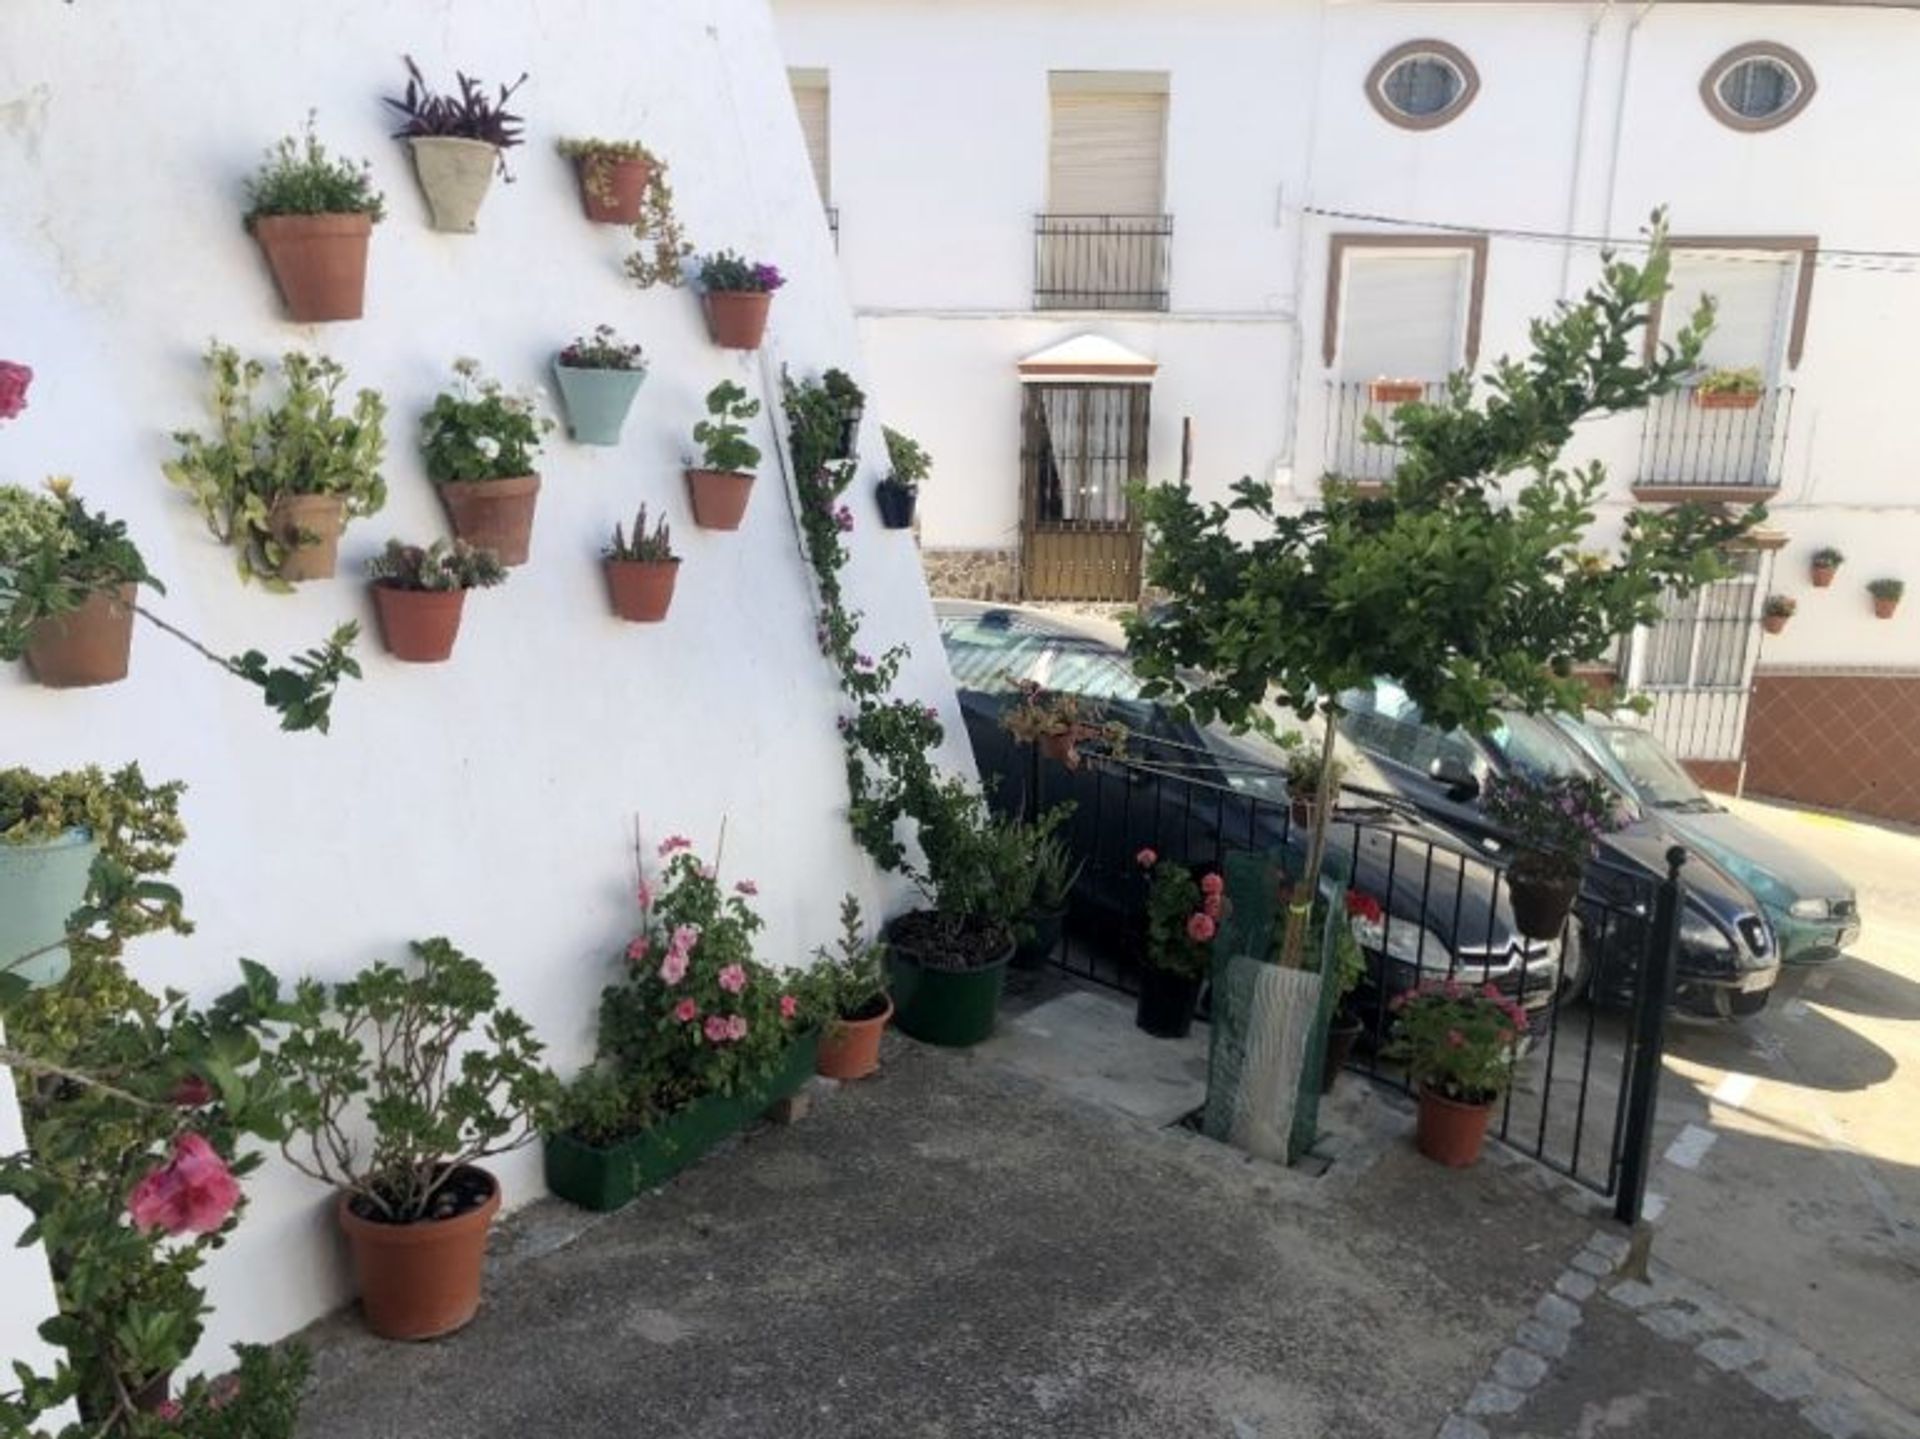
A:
[(458, 142), (617, 178), (480, 443), (313, 215), (1460, 1045), (1184, 911), (1776, 612), (1886, 595), (1053, 875), (737, 294), (908, 465), (67, 582), (420, 592), (599, 374), (1826, 562), (641, 570), (1556, 824), (720, 485)]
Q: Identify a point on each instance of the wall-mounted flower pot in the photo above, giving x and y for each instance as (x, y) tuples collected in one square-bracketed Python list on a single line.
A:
[(422, 1280), (612, 188), (1395, 392), (1823, 575), (454, 176), (1883, 609), (1773, 624), (1449, 1132), (41, 884), (85, 646), (737, 319), (1541, 902), (1726, 399), (939, 1005), (1167, 1002), (641, 590), (597, 401), (494, 515), (310, 526), (850, 1048), (896, 504), (419, 626), (319, 262), (719, 497)]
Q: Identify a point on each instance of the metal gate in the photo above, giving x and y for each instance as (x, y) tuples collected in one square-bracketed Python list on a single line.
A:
[(1082, 447), (1696, 666)]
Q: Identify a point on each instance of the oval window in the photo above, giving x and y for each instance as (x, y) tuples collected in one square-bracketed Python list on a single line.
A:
[(1422, 84), (1757, 87)]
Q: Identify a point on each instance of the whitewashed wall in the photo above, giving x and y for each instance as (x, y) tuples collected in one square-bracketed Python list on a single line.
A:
[(491, 799)]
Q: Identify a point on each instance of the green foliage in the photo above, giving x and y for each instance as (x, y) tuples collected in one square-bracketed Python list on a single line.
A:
[(442, 565), (979, 867), (304, 445), (1780, 607), (259, 1399), (909, 463), (1727, 381), (724, 272), (54, 554), (299, 177), (1182, 917), (1458, 1041), (654, 547), (849, 979), (662, 258), (845, 393), (301, 691), (723, 436), (1828, 557), (1055, 872), (477, 431), (1887, 589), (446, 1075)]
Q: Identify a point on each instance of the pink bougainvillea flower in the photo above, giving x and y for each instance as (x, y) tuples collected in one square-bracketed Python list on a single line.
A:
[(192, 1193), (673, 968), (709, 873), (14, 379), (637, 948), (1146, 859), (843, 519), (733, 979), (645, 895), (789, 1006), (1212, 884), (736, 1026), (686, 1011), (1490, 991), (717, 1030), (746, 887), (674, 842), (684, 939), (191, 1092), (1200, 928)]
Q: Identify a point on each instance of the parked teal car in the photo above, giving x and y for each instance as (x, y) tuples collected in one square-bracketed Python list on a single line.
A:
[(1813, 911)]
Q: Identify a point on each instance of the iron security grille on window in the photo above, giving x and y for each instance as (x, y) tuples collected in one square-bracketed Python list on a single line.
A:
[(1101, 262), (1687, 442)]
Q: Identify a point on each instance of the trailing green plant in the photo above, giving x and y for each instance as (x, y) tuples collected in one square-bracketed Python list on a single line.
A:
[(1457, 1041), (470, 115), (724, 272), (723, 435), (262, 452), (909, 464), (603, 350), (664, 248), (477, 431), (299, 177), (1887, 589), (646, 546), (442, 565), (1043, 714), (1726, 380)]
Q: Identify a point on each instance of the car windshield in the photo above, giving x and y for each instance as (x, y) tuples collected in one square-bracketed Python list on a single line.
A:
[(1535, 749), (1657, 775), (993, 651)]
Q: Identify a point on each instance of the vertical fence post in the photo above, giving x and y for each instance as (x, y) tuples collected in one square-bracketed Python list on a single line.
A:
[(1649, 1039)]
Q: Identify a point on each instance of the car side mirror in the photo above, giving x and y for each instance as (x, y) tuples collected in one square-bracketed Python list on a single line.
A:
[(1462, 785)]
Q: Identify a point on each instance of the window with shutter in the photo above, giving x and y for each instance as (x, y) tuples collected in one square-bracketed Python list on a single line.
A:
[(811, 98), (1753, 299), (1108, 152), (1403, 314)]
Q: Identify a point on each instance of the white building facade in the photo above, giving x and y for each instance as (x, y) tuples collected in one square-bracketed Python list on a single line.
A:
[(1238, 216)]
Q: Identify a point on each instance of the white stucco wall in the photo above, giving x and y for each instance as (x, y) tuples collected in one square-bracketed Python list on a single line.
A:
[(491, 799)]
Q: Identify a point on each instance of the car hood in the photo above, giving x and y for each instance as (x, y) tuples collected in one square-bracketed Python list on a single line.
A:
[(1745, 848), (1643, 846)]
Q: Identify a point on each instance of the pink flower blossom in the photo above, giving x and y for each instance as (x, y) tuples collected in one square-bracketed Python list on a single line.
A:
[(746, 887), (717, 1030), (1455, 1039), (673, 842), (645, 894), (192, 1193), (1146, 859), (673, 968), (637, 948), (1212, 884), (686, 1011), (733, 979), (1200, 928), (684, 939), (709, 873), (14, 379), (736, 1026), (1211, 907), (789, 1006), (843, 519)]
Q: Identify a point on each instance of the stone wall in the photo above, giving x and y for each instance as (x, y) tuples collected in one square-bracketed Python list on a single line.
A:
[(973, 574)]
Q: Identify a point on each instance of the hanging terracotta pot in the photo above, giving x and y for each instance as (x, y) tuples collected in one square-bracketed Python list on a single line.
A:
[(719, 497), (1823, 575), (641, 590), (1450, 1132), (454, 176), (737, 319), (319, 262), (1062, 747), (850, 1048), (1541, 901), (309, 526), (1395, 392), (494, 515), (1884, 608), (85, 646), (613, 187), (419, 626), (421, 1280), (1773, 624)]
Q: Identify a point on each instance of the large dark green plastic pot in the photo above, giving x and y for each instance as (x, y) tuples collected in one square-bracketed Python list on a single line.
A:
[(950, 1007)]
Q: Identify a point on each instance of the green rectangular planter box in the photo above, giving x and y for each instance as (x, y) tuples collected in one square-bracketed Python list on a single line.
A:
[(606, 1179)]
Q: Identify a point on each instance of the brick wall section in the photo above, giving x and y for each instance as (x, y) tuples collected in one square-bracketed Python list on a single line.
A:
[(1715, 774), (1839, 741)]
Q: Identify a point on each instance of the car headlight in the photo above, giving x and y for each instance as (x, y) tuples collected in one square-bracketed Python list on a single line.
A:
[(1700, 933), (1810, 908), (1403, 940)]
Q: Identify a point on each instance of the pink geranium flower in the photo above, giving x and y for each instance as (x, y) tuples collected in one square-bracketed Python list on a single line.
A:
[(673, 842), (673, 968), (14, 379), (736, 1026), (1212, 884), (684, 939), (192, 1193), (686, 1011), (1146, 859), (717, 1029), (789, 1006), (637, 948), (1200, 928), (733, 979), (747, 887), (1211, 907)]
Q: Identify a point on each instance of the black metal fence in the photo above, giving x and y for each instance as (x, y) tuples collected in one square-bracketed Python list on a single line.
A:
[(1350, 403), (1694, 440), (1101, 262)]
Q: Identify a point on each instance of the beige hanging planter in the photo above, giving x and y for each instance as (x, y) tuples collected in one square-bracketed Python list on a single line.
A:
[(454, 175)]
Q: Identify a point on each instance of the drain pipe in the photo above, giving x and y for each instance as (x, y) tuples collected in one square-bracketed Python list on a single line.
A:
[(1571, 227), (1620, 115)]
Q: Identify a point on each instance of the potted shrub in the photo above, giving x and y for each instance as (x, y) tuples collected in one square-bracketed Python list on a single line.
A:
[(419, 594), (1349, 967), (46, 860), (721, 483), (1304, 766), (1826, 561), (1059, 724), (641, 570), (1459, 1045), (458, 141), (67, 581), (1555, 824), (695, 1042), (446, 1077), (1052, 876), (598, 377), (480, 444), (279, 482), (1728, 389), (313, 216), (736, 294), (615, 177), (1384, 391), (1886, 596), (1776, 612), (1183, 916), (849, 403), (851, 986), (908, 465)]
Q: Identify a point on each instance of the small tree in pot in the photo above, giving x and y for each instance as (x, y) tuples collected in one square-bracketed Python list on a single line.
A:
[(1183, 916), (736, 294), (313, 216), (1555, 824), (641, 570), (1459, 1045), (480, 444), (598, 378), (458, 141), (848, 987), (419, 594), (908, 466), (720, 485)]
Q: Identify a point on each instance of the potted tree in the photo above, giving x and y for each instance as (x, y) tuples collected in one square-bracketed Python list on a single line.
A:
[(1826, 562), (313, 216), (851, 994), (1459, 1045), (736, 294), (1776, 612), (480, 444), (598, 377), (908, 465), (1349, 967), (615, 177), (1555, 824), (279, 482), (1728, 389), (641, 570), (720, 485), (419, 594), (1059, 724), (849, 403), (1886, 596), (447, 1076), (458, 141), (1183, 916), (1050, 886), (46, 859), (67, 583), (1306, 781)]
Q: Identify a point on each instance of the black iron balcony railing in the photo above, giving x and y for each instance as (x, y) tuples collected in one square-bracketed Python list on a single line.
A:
[(1694, 440), (1348, 452), (1101, 262)]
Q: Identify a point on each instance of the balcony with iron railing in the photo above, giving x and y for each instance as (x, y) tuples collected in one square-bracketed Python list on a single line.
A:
[(1347, 452), (1697, 444), (1101, 262)]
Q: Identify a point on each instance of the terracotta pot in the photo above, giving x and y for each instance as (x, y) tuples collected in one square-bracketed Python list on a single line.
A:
[(1449, 1132), (1773, 624), (1725, 400), (319, 262), (494, 515), (320, 518), (1061, 748), (737, 319), (719, 497), (1884, 608), (419, 626), (84, 646), (612, 189), (1395, 392), (1541, 903), (641, 590), (850, 1048), (419, 1281), (454, 176), (1823, 575)]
